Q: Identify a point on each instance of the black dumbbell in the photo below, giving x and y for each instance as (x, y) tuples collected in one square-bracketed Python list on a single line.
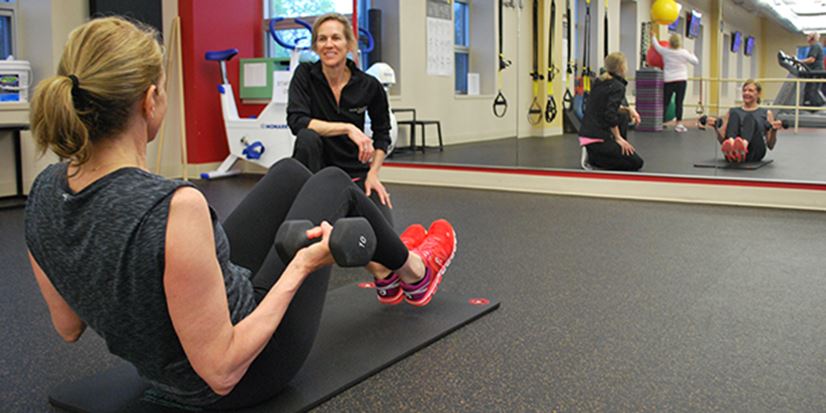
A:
[(784, 125), (703, 119), (352, 242)]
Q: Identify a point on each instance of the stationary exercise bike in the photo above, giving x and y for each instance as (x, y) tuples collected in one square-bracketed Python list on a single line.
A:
[(267, 138)]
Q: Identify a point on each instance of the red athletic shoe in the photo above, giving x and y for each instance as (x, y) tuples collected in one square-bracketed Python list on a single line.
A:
[(728, 149), (388, 290), (413, 236), (437, 251), (741, 149)]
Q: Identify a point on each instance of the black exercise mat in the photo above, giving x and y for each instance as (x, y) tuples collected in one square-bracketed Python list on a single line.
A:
[(349, 348), (723, 164)]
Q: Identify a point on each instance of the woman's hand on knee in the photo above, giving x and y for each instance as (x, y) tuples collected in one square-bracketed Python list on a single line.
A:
[(363, 142), (318, 254), (373, 184)]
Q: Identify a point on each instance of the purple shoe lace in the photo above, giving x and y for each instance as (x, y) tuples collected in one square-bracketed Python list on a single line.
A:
[(417, 290), (389, 286)]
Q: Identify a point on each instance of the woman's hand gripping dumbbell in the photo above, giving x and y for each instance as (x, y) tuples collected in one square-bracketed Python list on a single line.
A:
[(718, 122), (352, 240), (705, 120)]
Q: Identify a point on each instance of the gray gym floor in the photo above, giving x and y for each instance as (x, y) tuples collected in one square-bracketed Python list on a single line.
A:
[(796, 157), (607, 305)]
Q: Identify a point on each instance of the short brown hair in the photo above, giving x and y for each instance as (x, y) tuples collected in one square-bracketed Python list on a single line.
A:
[(348, 28), (757, 86)]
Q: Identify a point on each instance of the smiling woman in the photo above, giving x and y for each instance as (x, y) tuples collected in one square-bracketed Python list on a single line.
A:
[(328, 100)]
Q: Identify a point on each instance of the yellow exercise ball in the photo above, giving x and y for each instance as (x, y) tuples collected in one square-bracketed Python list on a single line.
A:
[(665, 11)]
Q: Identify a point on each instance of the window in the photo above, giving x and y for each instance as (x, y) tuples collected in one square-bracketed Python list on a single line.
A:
[(306, 10), (7, 29), (462, 45)]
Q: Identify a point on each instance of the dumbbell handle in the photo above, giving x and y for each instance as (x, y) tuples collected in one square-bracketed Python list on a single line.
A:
[(703, 120), (784, 124), (352, 241)]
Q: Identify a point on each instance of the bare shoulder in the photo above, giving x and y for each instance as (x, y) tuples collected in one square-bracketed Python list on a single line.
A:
[(188, 199)]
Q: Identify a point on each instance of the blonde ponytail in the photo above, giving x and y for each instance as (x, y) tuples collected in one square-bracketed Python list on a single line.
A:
[(106, 68), (56, 125)]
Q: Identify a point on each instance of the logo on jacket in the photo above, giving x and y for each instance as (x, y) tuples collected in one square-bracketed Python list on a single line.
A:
[(358, 110)]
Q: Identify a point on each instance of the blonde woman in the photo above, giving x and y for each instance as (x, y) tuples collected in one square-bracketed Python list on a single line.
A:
[(604, 125), (142, 259), (327, 103), (675, 74)]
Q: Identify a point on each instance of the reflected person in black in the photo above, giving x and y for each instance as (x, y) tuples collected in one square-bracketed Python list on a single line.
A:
[(603, 135)]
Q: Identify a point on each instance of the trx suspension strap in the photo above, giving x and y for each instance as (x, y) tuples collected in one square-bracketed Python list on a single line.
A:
[(568, 98), (550, 105), (605, 31), (535, 111), (500, 101), (586, 60)]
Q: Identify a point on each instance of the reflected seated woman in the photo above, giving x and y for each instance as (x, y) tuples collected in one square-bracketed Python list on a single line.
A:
[(749, 129), (603, 135)]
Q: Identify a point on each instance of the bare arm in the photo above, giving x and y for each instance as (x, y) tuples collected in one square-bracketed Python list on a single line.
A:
[(328, 129), (717, 132), (196, 297), (65, 321), (771, 135), (372, 182), (364, 143)]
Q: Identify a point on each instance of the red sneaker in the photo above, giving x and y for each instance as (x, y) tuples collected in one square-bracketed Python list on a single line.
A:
[(413, 236), (727, 148), (741, 149), (388, 290), (437, 251)]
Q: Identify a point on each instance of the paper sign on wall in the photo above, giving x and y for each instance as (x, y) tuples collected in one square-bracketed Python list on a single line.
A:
[(280, 85), (439, 38)]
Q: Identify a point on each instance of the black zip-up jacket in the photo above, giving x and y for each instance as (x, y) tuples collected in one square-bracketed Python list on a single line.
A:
[(602, 108), (310, 97)]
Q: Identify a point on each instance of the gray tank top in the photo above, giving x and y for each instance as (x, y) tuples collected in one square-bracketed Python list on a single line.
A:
[(761, 114), (103, 249)]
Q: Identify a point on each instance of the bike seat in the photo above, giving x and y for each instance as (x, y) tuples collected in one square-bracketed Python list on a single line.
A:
[(220, 54)]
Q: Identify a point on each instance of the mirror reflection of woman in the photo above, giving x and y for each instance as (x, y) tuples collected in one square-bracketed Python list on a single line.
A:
[(603, 135), (675, 75), (748, 130)]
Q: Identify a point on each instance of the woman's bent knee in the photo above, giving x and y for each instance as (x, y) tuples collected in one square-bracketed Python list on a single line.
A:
[(291, 167)]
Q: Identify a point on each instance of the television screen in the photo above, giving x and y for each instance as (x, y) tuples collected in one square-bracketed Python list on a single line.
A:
[(673, 26), (749, 49), (736, 41), (692, 29)]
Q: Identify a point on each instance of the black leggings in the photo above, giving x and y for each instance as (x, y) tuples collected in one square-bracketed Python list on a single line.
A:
[(316, 152), (289, 191), (670, 89), (750, 129), (608, 154)]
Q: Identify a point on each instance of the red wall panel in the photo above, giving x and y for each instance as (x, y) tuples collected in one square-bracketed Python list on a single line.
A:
[(214, 25)]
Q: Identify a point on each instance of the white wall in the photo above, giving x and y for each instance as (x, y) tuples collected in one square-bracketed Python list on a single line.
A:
[(776, 38)]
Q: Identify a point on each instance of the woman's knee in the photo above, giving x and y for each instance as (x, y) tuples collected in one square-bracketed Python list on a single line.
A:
[(290, 167), (333, 174)]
